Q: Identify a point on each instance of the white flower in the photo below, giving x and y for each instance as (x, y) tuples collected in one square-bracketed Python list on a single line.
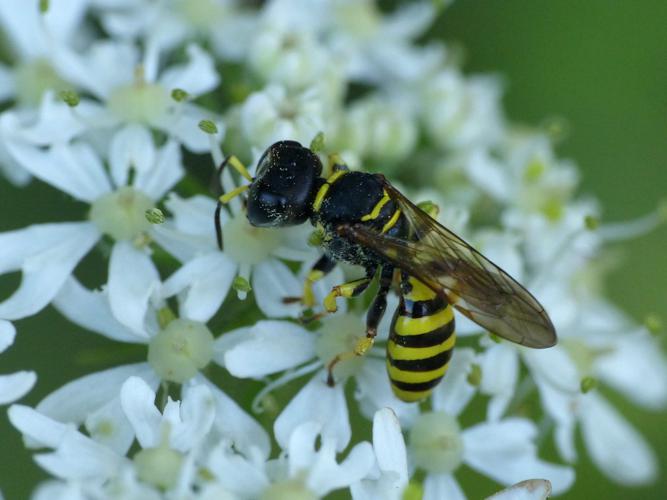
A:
[(459, 112), (274, 114), (274, 346), (502, 450), (48, 253), (303, 470), (382, 128), (34, 38), (166, 24), (249, 252), (172, 444), (390, 476), (379, 49), (15, 385), (137, 91)]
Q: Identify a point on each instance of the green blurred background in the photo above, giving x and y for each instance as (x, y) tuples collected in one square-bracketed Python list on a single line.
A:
[(600, 65)]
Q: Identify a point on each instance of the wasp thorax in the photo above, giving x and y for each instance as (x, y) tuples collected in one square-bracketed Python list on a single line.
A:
[(122, 213), (436, 443), (338, 334), (180, 350)]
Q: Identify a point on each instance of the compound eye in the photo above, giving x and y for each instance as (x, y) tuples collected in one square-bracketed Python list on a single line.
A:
[(266, 209)]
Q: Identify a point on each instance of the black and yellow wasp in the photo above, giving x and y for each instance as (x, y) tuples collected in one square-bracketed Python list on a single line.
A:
[(368, 222)]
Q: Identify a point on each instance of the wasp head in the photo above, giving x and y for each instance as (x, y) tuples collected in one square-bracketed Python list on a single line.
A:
[(284, 187)]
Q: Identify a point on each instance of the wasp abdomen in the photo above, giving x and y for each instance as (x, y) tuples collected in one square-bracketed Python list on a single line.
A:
[(420, 342)]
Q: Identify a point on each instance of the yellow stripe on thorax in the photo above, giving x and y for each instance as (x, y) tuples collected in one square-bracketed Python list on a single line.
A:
[(390, 223), (419, 291), (412, 377), (399, 352), (322, 192), (415, 326), (377, 208)]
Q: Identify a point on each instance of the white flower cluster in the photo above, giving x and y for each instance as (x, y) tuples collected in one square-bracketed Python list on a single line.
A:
[(105, 99)]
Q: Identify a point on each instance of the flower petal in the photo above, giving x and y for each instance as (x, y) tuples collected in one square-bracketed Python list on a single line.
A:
[(109, 426), (374, 393), (500, 370), (138, 403), (184, 127), (638, 369), (80, 397), (272, 281), (454, 393), (55, 123), (132, 280), (505, 452), (197, 415), (73, 168), (389, 446), (270, 347), (164, 174), (79, 457), (232, 422), (44, 271), (7, 335), (614, 445), (320, 403), (439, 486), (16, 385), (326, 475), (39, 428), (91, 310), (206, 280), (196, 77), (131, 148)]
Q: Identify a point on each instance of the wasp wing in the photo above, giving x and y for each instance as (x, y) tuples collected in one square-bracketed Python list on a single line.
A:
[(473, 284)]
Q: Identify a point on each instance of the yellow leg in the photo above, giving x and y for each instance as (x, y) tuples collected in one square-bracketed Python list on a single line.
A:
[(362, 346), (373, 318), (227, 197), (308, 298), (347, 290)]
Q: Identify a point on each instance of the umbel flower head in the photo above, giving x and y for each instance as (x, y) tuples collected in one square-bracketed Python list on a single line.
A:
[(118, 107)]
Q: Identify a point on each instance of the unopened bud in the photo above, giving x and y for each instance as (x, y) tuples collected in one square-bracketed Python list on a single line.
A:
[(69, 97), (155, 216), (317, 144), (475, 376), (240, 284), (588, 384), (179, 95), (208, 127)]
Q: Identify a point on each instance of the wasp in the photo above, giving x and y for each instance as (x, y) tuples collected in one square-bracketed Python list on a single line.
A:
[(366, 221)]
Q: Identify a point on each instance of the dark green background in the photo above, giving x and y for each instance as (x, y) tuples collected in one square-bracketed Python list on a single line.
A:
[(601, 65)]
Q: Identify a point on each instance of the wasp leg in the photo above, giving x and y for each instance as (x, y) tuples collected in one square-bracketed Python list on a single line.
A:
[(350, 289), (320, 269), (373, 318), (223, 198)]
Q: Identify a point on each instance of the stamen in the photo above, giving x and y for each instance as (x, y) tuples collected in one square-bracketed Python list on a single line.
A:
[(281, 381), (633, 229)]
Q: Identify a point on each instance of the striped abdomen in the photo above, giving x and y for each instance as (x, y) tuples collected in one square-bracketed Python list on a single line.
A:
[(420, 341)]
